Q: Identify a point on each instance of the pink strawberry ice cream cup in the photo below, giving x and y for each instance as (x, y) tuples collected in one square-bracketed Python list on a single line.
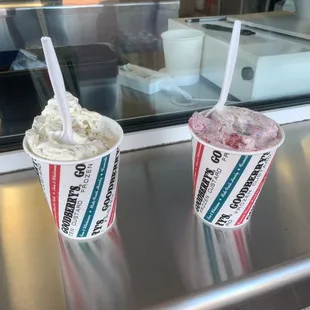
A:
[(227, 182)]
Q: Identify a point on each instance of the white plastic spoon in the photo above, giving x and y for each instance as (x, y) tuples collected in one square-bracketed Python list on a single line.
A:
[(230, 66), (59, 89)]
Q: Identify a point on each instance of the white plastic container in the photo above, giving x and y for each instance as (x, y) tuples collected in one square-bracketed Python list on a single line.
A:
[(182, 50), (81, 194), (227, 182)]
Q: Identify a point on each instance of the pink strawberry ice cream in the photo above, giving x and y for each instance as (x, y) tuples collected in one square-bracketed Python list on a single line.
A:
[(236, 128)]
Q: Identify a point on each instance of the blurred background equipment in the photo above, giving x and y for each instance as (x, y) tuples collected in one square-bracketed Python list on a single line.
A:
[(277, 40), (90, 73)]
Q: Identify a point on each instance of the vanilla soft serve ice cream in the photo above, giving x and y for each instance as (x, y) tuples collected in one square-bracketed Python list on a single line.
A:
[(91, 134)]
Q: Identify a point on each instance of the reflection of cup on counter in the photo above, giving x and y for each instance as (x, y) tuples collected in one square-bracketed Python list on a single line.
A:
[(182, 49), (94, 273), (214, 256)]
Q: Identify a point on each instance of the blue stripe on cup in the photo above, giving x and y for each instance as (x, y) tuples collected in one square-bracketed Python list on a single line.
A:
[(212, 254), (94, 198), (227, 188)]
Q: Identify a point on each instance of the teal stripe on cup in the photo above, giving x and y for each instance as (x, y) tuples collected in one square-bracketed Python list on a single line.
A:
[(212, 254), (227, 188), (94, 198)]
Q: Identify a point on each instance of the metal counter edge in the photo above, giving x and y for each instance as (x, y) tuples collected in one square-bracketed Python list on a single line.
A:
[(234, 293)]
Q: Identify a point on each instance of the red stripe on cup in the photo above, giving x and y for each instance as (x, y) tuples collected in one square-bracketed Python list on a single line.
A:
[(198, 156), (115, 237), (113, 210), (252, 201), (73, 280), (241, 250), (54, 179)]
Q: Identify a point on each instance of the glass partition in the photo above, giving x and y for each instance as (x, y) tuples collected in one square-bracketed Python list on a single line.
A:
[(116, 60)]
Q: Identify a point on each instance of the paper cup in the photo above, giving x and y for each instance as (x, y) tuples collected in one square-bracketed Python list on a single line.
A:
[(227, 182), (182, 51), (81, 194)]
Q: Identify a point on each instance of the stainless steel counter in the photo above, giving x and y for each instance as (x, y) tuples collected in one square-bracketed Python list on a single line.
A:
[(159, 252)]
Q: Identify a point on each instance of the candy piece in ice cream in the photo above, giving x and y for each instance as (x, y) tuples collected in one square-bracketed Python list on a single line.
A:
[(91, 134), (236, 128)]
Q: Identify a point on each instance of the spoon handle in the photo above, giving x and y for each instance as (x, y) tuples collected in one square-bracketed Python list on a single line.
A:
[(230, 64), (58, 87)]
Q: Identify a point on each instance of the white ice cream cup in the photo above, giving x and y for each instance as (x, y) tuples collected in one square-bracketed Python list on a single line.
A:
[(81, 194), (182, 51), (226, 183)]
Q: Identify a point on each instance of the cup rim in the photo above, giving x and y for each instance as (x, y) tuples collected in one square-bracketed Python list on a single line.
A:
[(199, 34), (232, 151), (80, 161)]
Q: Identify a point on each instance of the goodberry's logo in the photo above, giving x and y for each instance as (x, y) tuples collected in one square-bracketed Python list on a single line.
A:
[(207, 177), (247, 185), (109, 198), (107, 202), (70, 207)]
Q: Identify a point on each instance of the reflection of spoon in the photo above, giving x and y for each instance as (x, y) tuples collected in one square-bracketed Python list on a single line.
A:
[(59, 89), (230, 66)]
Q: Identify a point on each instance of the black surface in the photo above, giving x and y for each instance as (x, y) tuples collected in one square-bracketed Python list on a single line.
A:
[(243, 32), (86, 69)]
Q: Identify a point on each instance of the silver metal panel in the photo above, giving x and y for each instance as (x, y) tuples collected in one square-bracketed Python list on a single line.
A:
[(159, 252), (281, 22)]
